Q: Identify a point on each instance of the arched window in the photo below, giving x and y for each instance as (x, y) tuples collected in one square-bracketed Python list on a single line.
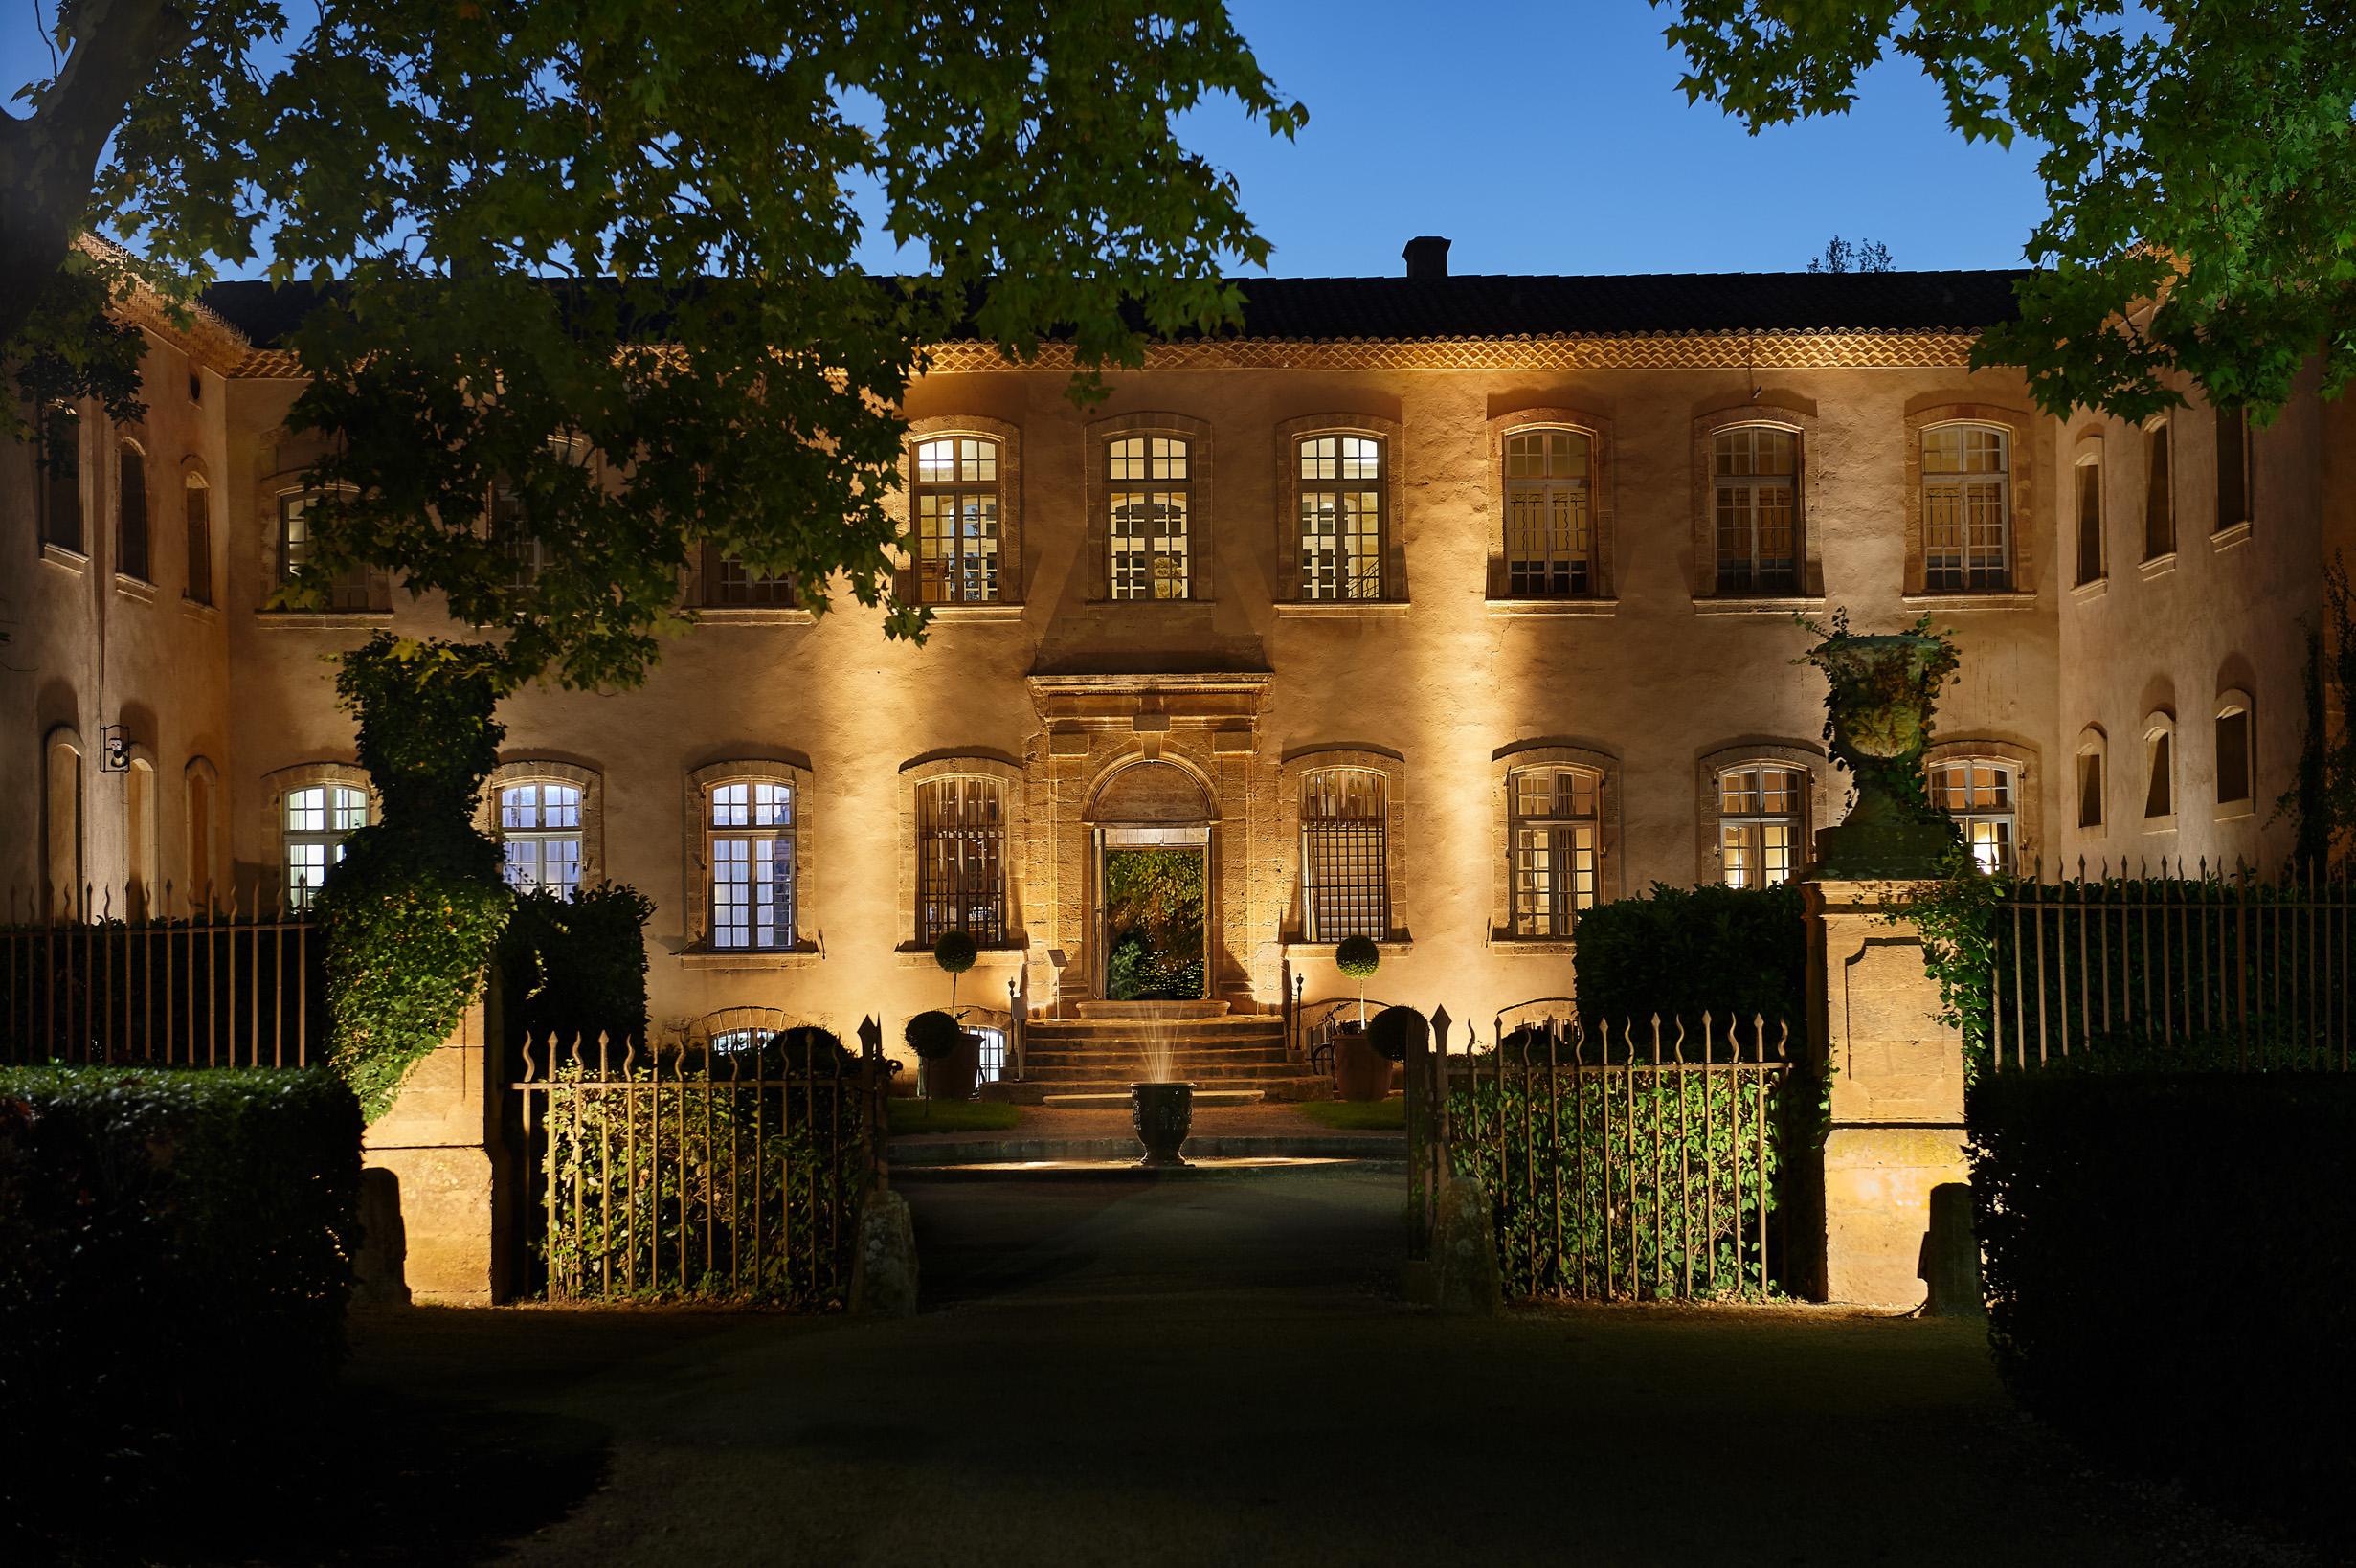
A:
[(200, 783), (956, 502), (1345, 854), (2088, 477), (2159, 771), (750, 830), (961, 858), (2236, 741), (318, 817), (1549, 513), (2093, 767), (540, 836), (1149, 499), (1966, 508), (62, 813), (1979, 793), (1754, 476), (61, 460), (1557, 813), (2159, 491), (131, 552), (1763, 821), (1341, 521), (198, 506), (139, 881)]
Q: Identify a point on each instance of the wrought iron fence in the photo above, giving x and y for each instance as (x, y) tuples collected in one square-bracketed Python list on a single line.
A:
[(1644, 1165), (161, 979), (2237, 968), (740, 1182)]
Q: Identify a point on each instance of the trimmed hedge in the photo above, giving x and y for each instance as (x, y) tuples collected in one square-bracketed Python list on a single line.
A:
[(1681, 951), (576, 967), (175, 1255), (2171, 1272)]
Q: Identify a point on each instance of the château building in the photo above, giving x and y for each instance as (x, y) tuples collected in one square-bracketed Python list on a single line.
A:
[(1429, 608)]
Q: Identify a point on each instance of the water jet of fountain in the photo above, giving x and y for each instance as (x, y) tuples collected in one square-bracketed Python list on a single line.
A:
[(1161, 1107)]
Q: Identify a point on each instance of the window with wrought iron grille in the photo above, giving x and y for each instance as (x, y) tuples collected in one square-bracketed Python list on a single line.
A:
[(1345, 854), (1761, 824), (1978, 794), (1549, 513), (2159, 491), (318, 819), (2090, 520), (1342, 517), (729, 584), (1557, 839), (955, 501), (1754, 487), (352, 590), (1149, 498), (540, 837), (1966, 508), (748, 845), (961, 858)]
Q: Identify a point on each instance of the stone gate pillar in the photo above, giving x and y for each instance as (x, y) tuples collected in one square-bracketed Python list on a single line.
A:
[(442, 1149), (1896, 1124)]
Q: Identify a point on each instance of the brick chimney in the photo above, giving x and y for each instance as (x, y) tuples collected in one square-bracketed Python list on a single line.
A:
[(1426, 256)]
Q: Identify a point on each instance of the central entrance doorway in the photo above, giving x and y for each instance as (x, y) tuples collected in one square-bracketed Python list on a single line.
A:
[(1153, 886)]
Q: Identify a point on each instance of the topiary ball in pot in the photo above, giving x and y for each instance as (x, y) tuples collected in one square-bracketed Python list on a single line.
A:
[(1393, 1032), (933, 1036)]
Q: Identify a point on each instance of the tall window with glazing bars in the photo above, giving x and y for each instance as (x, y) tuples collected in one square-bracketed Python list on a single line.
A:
[(1549, 515), (1341, 521), (955, 499), (1966, 508), (1754, 483), (1150, 493), (540, 837), (1345, 854), (1761, 824), (1555, 815), (749, 847), (961, 858), (318, 821)]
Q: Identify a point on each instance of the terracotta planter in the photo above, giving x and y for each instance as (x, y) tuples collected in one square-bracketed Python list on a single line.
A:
[(1360, 1072), (952, 1077), (1161, 1113)]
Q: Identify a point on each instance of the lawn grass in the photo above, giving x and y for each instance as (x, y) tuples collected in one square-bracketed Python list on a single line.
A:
[(1358, 1115), (951, 1116)]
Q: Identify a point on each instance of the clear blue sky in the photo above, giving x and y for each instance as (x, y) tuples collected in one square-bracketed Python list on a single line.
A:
[(1548, 136)]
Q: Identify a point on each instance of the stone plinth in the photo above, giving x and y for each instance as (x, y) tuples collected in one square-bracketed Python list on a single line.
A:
[(440, 1146), (1896, 1124)]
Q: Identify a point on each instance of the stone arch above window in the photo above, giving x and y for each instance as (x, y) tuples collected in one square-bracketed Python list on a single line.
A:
[(1178, 509), (2235, 753), (1520, 536), (1714, 778), (1292, 579), (2159, 778), (1961, 561), (951, 853), (2090, 798), (305, 829), (1295, 777), (794, 916), (2016, 766), (1716, 524), (1152, 790), (1514, 896), (490, 814), (980, 569)]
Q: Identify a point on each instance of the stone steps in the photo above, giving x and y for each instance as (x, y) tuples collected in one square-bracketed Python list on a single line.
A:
[(1224, 1053)]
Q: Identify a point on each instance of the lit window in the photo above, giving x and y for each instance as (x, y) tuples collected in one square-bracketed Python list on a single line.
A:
[(1966, 508), (1761, 824), (540, 837), (749, 846), (1345, 854), (1341, 521), (2159, 493), (1549, 527), (1557, 844), (199, 508), (956, 502), (2234, 765), (2090, 521), (1754, 475), (1150, 502), (61, 460), (297, 544), (1979, 796), (961, 859), (318, 821), (131, 513)]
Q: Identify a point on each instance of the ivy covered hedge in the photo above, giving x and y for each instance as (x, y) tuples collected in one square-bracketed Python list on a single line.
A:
[(2171, 1271), (175, 1253), (1680, 951)]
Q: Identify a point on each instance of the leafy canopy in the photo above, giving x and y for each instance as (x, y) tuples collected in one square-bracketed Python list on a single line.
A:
[(586, 305), (2196, 153)]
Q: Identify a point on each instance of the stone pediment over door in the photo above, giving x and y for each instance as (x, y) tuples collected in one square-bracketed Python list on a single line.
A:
[(1216, 714)]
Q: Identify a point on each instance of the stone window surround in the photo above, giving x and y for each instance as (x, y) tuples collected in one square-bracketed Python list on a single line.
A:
[(200, 877), (1011, 572), (2020, 429), (2155, 560), (1504, 764), (2028, 801), (1290, 433), (1201, 532), (2159, 722), (1292, 774), (1710, 766), (543, 771), (975, 764), (695, 816), (276, 786), (2230, 700), (1706, 428), (2093, 742), (1602, 510), (86, 480)]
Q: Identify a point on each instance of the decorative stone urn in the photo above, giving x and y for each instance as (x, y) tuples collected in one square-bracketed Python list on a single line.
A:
[(1162, 1113), (1884, 690)]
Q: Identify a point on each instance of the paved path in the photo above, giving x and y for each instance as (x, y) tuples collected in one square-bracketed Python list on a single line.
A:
[(1217, 1371)]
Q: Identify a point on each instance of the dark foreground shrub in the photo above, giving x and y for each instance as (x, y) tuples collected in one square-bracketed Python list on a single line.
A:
[(2171, 1272), (175, 1253), (1680, 951)]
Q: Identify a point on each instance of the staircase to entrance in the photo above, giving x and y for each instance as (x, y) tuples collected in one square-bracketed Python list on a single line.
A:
[(1102, 1049)]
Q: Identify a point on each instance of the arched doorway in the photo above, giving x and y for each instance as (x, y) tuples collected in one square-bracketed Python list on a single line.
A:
[(1150, 825)]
